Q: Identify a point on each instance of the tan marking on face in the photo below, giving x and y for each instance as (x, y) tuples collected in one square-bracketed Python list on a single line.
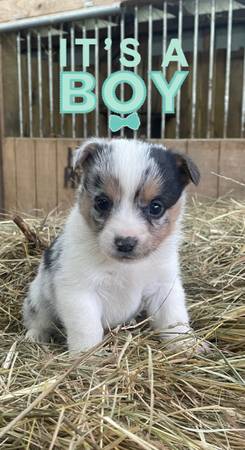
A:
[(167, 227), (111, 187), (149, 191)]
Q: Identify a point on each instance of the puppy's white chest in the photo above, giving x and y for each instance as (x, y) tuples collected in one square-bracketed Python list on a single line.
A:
[(120, 298)]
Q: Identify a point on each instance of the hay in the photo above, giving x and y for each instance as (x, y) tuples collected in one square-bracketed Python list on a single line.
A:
[(132, 392)]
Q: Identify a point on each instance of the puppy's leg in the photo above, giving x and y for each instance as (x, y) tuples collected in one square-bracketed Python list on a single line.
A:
[(36, 313), (168, 311), (81, 315)]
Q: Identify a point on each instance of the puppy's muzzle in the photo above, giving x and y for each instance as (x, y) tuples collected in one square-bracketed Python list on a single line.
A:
[(125, 245)]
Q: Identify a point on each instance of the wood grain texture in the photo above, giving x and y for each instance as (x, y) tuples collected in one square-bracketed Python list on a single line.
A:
[(46, 174), (25, 175), (33, 170), (9, 175), (232, 166), (205, 153), (66, 194), (1, 129), (176, 144), (10, 86)]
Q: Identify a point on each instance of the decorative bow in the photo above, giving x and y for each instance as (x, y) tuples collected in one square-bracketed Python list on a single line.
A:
[(116, 122)]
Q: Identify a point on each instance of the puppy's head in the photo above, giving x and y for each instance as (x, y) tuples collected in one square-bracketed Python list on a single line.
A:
[(131, 194)]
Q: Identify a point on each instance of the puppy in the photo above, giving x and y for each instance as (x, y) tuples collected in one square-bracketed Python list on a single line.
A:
[(118, 252)]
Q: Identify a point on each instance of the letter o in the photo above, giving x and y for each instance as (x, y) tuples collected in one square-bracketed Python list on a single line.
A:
[(110, 99)]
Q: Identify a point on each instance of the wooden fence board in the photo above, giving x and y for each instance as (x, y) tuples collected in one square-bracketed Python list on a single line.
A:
[(232, 166), (1, 127), (33, 170), (9, 174), (46, 174), (25, 175), (205, 153), (65, 194), (175, 144)]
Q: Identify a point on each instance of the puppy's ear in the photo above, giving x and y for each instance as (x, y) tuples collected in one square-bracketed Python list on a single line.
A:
[(188, 170), (85, 154)]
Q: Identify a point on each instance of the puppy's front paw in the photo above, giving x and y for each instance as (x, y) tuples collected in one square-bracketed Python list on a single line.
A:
[(76, 345), (182, 337), (34, 335), (202, 346)]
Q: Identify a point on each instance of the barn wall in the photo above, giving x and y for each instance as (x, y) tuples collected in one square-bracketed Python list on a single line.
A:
[(1, 131), (33, 170), (19, 9)]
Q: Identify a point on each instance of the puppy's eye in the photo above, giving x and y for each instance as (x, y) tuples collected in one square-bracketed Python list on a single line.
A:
[(156, 208), (102, 203)]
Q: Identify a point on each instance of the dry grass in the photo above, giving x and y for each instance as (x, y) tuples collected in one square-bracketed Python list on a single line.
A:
[(132, 393)]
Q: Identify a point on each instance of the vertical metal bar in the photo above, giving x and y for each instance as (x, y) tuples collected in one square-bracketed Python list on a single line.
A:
[(29, 76), (149, 71), (243, 99), (194, 78), (109, 66), (2, 128), (180, 25), (211, 71), (136, 35), (122, 26), (85, 119), (228, 69), (19, 76), (40, 83), (50, 72), (72, 47), (62, 117), (164, 47), (97, 111)]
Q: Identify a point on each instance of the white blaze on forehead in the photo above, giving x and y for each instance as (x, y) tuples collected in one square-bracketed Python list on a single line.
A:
[(130, 161)]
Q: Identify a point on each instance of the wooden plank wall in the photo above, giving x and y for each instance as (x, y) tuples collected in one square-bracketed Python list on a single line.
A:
[(19, 9), (1, 128), (34, 174), (33, 170)]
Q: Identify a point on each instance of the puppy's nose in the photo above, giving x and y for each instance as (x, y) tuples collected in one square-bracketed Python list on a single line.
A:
[(125, 244)]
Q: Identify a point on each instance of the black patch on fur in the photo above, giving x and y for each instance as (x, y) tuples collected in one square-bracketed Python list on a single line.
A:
[(51, 255), (97, 158), (97, 181), (177, 171)]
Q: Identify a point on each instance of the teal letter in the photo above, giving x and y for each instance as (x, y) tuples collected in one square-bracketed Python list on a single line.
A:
[(109, 92), (168, 91), (130, 51), (63, 50), (68, 92), (86, 44), (179, 57)]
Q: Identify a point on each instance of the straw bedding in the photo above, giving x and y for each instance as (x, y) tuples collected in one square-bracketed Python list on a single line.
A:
[(132, 392)]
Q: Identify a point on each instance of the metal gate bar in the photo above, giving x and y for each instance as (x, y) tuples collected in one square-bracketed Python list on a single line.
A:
[(228, 70), (194, 79), (40, 83), (149, 71), (211, 71), (136, 36), (50, 73), (180, 24), (164, 48), (19, 78)]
